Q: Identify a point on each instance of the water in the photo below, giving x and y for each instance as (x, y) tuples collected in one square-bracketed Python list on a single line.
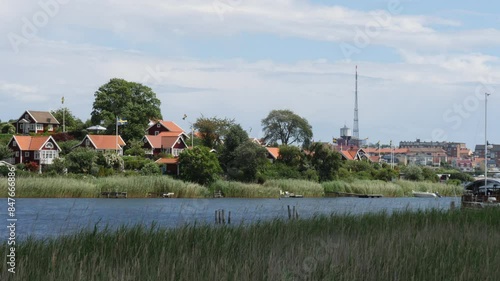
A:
[(43, 218)]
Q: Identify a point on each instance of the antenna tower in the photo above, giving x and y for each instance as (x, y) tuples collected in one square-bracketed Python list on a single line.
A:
[(355, 131)]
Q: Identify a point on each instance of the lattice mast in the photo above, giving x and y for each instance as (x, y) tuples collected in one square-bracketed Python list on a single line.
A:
[(355, 130)]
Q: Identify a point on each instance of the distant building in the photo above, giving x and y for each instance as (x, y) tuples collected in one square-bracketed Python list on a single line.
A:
[(452, 149), (493, 154)]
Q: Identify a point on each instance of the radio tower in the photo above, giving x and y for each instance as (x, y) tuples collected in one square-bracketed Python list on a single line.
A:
[(355, 131)]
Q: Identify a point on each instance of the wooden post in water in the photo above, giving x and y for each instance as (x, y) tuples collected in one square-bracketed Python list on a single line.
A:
[(293, 213), (229, 217), (216, 211), (452, 205), (223, 217), (289, 213)]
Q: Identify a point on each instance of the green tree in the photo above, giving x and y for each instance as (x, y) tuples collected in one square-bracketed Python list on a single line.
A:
[(291, 156), (249, 158), (413, 172), (130, 101), (325, 161), (135, 148), (234, 138), (150, 168), (199, 165), (81, 160), (8, 128), (5, 152), (71, 123), (213, 130), (286, 127)]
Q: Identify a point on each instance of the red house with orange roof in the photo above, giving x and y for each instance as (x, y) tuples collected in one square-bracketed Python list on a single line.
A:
[(273, 153), (38, 149), (167, 142), (103, 143), (162, 126)]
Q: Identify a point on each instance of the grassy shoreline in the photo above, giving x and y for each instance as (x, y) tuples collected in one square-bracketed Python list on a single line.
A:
[(424, 245), (139, 186)]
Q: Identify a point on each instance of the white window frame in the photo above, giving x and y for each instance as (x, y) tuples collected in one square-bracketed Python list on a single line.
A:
[(49, 145), (50, 128), (17, 153), (39, 127), (26, 154), (87, 142), (21, 126), (158, 125), (157, 133), (37, 155), (14, 143)]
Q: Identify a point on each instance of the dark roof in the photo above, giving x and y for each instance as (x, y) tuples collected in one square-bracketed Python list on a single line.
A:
[(44, 117)]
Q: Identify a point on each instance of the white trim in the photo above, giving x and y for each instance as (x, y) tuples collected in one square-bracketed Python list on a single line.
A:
[(37, 155)]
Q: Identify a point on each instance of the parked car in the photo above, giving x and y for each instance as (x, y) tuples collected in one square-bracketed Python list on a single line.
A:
[(478, 186)]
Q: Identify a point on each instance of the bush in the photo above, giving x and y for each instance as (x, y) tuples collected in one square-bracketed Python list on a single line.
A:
[(150, 169)]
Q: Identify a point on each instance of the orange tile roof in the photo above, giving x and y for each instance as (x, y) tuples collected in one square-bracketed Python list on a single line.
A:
[(386, 150), (167, 161), (348, 154), (32, 143), (106, 141), (170, 134), (160, 140), (171, 126), (274, 152)]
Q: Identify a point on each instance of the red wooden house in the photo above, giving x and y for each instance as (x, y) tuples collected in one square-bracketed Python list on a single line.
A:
[(167, 142), (36, 122), (39, 149)]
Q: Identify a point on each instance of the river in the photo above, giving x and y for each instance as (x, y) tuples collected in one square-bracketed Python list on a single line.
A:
[(44, 218)]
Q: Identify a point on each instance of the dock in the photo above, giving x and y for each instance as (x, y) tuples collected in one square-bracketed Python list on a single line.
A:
[(114, 194), (347, 194), (160, 195)]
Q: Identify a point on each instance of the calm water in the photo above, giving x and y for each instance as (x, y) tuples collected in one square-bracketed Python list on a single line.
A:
[(44, 218)]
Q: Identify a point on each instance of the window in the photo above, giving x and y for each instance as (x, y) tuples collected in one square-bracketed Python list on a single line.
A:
[(50, 128), (87, 142), (27, 154), (14, 143), (17, 153), (37, 155), (39, 127), (158, 125), (157, 132), (49, 145), (26, 116), (21, 126)]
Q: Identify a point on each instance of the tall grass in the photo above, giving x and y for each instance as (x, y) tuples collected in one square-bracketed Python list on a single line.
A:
[(137, 186), (391, 189), (425, 245), (269, 189)]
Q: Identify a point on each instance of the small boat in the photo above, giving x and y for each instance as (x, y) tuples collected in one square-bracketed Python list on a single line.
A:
[(287, 194), (424, 194)]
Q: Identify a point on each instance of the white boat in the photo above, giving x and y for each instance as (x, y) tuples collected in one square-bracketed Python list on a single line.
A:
[(287, 194), (424, 194)]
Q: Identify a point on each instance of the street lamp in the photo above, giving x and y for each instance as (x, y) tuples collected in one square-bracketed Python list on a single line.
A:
[(192, 130)]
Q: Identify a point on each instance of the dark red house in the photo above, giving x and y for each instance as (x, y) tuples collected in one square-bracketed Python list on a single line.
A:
[(36, 122), (40, 149)]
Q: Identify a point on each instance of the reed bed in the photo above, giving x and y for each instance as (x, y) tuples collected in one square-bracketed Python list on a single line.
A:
[(245, 190), (303, 187), (137, 186), (425, 245), (398, 188)]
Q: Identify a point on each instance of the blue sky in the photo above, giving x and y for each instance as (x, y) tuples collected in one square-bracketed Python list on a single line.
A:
[(423, 65)]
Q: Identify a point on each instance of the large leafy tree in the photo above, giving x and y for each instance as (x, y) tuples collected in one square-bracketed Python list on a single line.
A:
[(130, 101), (234, 138), (70, 121), (249, 158), (286, 127), (325, 161), (199, 165), (212, 130)]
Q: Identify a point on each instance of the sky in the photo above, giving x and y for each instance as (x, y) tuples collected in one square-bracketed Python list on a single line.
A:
[(423, 66)]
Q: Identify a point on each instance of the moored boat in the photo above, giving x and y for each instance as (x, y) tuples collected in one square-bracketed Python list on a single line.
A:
[(425, 194)]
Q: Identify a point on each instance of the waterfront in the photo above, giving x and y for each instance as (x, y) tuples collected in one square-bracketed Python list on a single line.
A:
[(43, 218)]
